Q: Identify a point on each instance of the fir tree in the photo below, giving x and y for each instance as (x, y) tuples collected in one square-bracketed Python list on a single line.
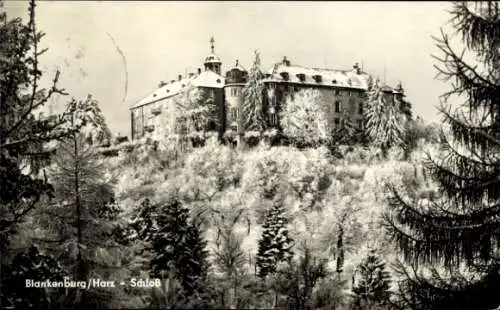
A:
[(461, 228), (383, 119), (275, 244), (178, 247), (372, 289), (253, 94), (23, 135), (81, 218)]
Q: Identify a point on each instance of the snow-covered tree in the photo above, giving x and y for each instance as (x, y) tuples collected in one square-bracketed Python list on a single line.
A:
[(23, 135), (384, 122), (253, 94), (457, 233), (372, 287), (80, 219), (303, 119), (275, 244), (195, 110), (230, 258)]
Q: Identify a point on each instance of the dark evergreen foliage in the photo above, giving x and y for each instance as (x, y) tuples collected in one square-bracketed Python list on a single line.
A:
[(275, 244), (36, 266), (462, 228), (296, 281), (372, 289), (178, 247)]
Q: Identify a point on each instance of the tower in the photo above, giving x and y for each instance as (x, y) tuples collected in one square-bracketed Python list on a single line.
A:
[(212, 61)]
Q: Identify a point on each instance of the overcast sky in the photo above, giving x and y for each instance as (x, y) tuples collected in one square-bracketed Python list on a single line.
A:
[(160, 40)]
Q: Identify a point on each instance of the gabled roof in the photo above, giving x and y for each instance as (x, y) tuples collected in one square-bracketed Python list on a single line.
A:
[(329, 77), (204, 79)]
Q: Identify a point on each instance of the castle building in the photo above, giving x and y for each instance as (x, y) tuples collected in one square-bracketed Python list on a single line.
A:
[(156, 112), (343, 93)]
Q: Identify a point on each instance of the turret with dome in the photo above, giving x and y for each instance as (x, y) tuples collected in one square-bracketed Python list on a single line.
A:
[(212, 61)]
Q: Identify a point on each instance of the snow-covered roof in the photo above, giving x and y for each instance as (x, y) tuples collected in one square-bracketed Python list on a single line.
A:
[(307, 76), (212, 57), (204, 79)]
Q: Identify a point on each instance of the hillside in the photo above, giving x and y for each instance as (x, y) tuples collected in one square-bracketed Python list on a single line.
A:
[(322, 193)]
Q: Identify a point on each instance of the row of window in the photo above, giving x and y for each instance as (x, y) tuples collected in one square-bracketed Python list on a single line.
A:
[(336, 92), (273, 117), (236, 91), (338, 107)]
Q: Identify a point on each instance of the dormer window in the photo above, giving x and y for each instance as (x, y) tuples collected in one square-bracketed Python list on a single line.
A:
[(218, 81), (317, 78), (183, 85), (334, 81), (301, 76), (284, 75)]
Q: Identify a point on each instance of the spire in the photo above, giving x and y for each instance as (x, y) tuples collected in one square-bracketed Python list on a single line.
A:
[(212, 47)]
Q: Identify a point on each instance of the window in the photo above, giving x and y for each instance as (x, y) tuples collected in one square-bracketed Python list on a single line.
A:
[(234, 114), (336, 121), (273, 119), (338, 106), (360, 124), (360, 108), (291, 88), (337, 92)]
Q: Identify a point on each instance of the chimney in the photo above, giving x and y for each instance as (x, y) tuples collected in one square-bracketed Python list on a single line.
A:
[(356, 68), (172, 81), (286, 62), (199, 70), (191, 75), (179, 77), (162, 84)]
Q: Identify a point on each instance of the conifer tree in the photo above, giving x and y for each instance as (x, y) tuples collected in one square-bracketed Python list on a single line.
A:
[(275, 244), (459, 230), (24, 136), (372, 289), (383, 119), (81, 217), (253, 94), (178, 247)]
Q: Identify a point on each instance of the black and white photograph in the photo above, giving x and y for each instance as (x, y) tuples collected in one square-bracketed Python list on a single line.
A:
[(295, 155)]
